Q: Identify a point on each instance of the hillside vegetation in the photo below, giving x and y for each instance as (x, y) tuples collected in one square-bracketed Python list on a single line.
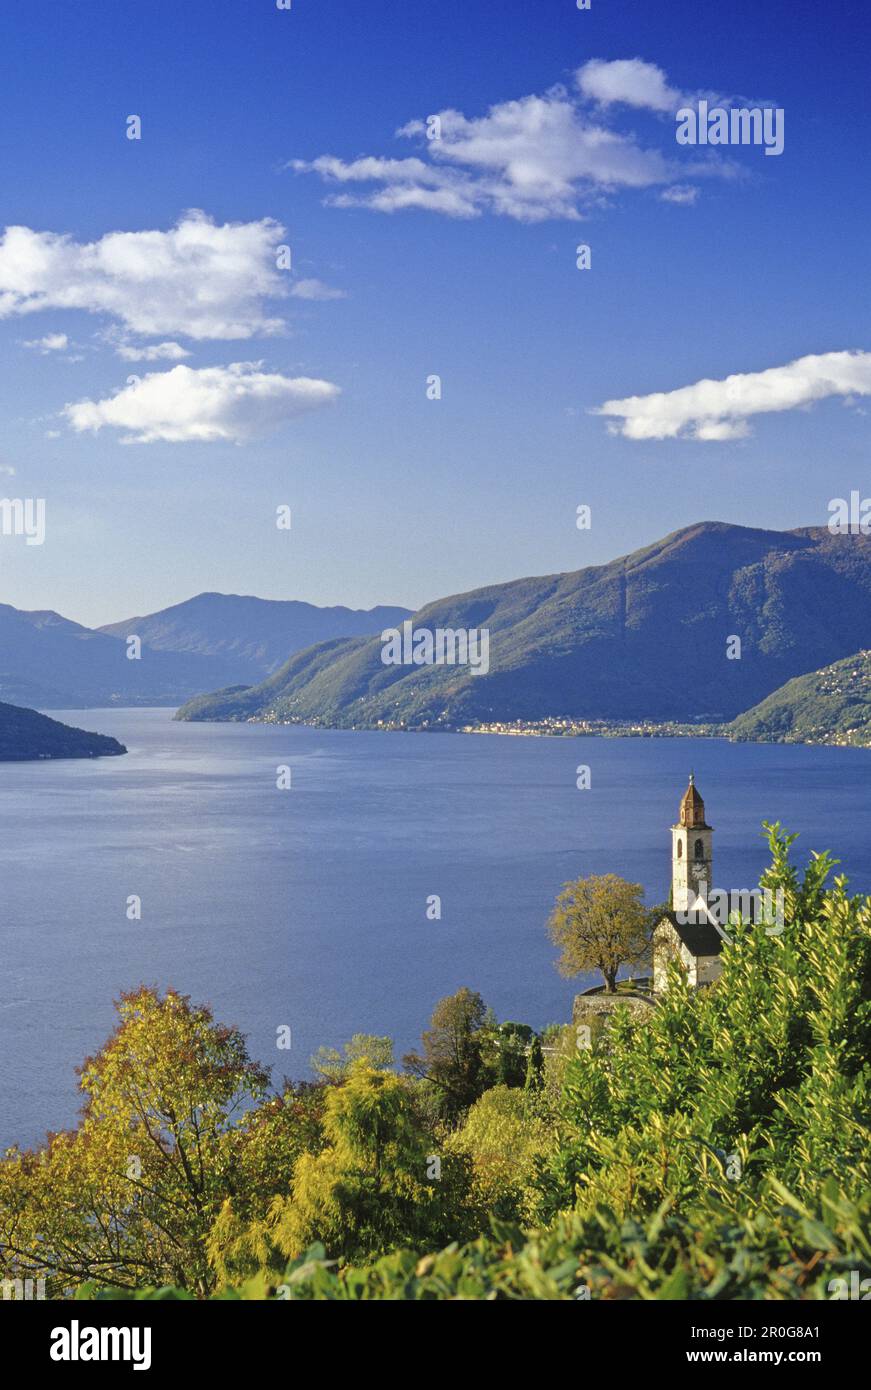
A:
[(828, 706), (644, 637)]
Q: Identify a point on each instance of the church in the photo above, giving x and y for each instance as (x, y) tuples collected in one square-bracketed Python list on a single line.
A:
[(686, 934)]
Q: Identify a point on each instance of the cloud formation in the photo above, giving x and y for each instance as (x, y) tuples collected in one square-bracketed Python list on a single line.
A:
[(52, 342), (198, 279), (237, 403), (535, 158), (684, 194), (719, 410), (629, 82), (314, 289), (153, 352)]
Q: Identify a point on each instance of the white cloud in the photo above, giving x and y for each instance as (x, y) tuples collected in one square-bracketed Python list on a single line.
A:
[(154, 352), (236, 403), (198, 279), (529, 159), (52, 342), (535, 158), (314, 289), (633, 82), (719, 410), (408, 183), (630, 82), (684, 194)]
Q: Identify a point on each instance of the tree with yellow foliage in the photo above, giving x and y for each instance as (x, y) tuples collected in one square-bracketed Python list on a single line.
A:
[(380, 1180), (600, 923), (128, 1198)]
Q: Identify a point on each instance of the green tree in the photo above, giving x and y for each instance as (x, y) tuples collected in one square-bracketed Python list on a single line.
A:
[(600, 923), (261, 1155), (716, 1147), (378, 1182), (507, 1134), (534, 1078), (452, 1059), (505, 1048)]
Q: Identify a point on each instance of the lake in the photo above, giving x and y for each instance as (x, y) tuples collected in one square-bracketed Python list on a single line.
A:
[(307, 907)]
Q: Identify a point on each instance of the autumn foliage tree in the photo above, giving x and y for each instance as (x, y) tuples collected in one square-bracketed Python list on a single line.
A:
[(129, 1197), (600, 923)]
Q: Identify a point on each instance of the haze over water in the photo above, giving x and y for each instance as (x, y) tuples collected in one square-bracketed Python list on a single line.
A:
[(307, 907)]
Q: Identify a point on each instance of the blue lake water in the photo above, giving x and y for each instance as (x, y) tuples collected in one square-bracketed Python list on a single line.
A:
[(307, 907)]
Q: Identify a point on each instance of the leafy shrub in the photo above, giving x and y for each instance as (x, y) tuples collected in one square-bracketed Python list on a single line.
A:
[(765, 1073), (789, 1253)]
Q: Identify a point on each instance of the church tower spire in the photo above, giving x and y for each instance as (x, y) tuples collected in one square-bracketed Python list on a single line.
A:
[(691, 851), (687, 934)]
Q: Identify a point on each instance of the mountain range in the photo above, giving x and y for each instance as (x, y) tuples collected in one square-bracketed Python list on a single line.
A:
[(214, 639), (698, 627), (253, 636), (54, 663)]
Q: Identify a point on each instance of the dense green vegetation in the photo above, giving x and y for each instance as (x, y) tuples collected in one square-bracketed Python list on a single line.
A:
[(26, 736), (715, 1147), (599, 643), (828, 706)]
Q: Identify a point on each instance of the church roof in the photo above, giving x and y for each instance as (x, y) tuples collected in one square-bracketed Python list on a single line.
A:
[(702, 938), (692, 808)]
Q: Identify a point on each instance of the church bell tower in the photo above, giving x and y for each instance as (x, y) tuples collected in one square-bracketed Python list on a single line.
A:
[(691, 852)]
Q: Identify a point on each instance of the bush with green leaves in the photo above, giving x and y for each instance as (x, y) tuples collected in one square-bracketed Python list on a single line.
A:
[(506, 1135), (766, 1073), (790, 1253)]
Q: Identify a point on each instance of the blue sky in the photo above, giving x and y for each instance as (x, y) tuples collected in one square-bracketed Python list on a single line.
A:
[(705, 264)]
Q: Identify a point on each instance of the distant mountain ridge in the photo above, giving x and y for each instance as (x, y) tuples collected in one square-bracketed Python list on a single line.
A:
[(26, 736), (256, 635), (646, 636), (51, 662)]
